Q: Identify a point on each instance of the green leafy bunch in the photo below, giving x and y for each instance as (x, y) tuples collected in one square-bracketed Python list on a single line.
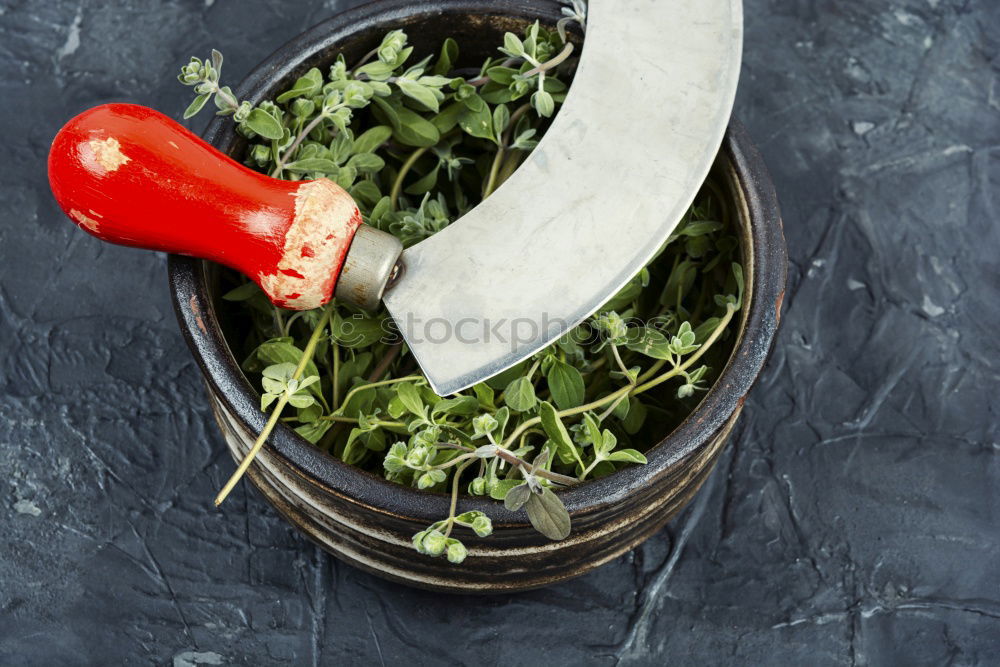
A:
[(418, 142)]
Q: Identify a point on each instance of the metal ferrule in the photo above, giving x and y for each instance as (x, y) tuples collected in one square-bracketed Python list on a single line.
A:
[(370, 263)]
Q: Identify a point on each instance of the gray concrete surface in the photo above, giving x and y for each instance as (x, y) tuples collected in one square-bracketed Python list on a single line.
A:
[(853, 521)]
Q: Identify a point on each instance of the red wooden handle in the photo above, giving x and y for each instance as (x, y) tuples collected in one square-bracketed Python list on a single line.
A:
[(130, 175)]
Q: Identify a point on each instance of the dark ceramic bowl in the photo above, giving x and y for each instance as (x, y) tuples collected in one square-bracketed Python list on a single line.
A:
[(368, 521)]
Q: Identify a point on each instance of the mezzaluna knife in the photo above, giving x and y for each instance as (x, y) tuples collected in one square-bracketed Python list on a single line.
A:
[(602, 191)]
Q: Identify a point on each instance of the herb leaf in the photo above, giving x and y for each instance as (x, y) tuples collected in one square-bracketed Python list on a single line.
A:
[(566, 384), (520, 395), (548, 515)]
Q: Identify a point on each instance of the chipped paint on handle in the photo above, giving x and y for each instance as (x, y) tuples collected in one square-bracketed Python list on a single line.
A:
[(130, 175)]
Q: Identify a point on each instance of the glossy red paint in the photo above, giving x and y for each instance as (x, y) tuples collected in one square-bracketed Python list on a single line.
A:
[(132, 176)]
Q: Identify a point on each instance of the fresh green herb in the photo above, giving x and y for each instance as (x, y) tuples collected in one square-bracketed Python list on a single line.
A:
[(418, 142)]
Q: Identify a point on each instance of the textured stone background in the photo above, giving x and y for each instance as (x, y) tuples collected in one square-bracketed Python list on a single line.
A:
[(853, 521)]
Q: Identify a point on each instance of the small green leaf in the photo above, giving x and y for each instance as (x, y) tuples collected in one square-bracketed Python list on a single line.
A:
[(607, 442), (502, 416), (372, 139), (502, 379), (738, 275), (426, 183), (621, 409), (449, 55), (456, 551), (500, 490), (448, 117), (699, 228), (483, 424), (242, 293), (502, 75), (357, 331), (482, 526), (512, 45), (419, 92), (516, 497), (626, 455), (410, 398), (311, 164), (548, 514), (313, 431), (305, 86), (478, 123), (553, 426), (377, 70), (353, 453), (360, 403), (650, 342), (636, 416), (543, 103), (460, 405), (592, 428), (520, 395), (196, 105), (278, 351), (366, 162), (501, 118), (483, 392), (408, 126), (366, 193), (679, 283), (353, 368), (566, 384), (282, 370), (264, 124), (310, 414), (300, 400)]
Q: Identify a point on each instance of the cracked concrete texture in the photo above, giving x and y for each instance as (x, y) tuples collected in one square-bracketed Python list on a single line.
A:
[(853, 521)]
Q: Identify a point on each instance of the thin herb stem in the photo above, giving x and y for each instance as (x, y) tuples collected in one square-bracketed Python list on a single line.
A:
[(454, 496), (364, 60), (514, 117), (483, 80), (386, 361), (341, 419), (611, 408), (719, 328), (279, 320), (510, 165), (335, 374), (457, 459), (283, 158), (618, 358), (370, 385), (494, 170), (307, 355), (660, 363), (551, 63), (397, 185), (589, 468)]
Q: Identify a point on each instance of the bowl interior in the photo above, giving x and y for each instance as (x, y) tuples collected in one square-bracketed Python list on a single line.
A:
[(478, 33)]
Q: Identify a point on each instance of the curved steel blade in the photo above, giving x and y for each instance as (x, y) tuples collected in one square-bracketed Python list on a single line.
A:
[(607, 184)]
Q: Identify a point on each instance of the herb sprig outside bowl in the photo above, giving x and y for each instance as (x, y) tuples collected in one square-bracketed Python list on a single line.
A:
[(418, 141)]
